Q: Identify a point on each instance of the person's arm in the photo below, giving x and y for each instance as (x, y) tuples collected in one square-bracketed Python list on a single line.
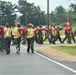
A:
[(19, 31), (11, 32), (3, 31)]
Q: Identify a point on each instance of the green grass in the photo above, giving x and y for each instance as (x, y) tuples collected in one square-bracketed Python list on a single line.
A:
[(66, 49), (74, 27)]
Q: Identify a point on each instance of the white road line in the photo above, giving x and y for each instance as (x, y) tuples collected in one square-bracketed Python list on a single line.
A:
[(74, 71)]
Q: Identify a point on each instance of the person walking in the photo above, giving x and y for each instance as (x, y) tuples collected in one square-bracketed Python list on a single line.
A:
[(51, 29), (57, 36), (46, 34), (7, 37), (40, 35), (67, 34), (35, 35), (30, 38), (17, 37), (72, 35), (1, 37)]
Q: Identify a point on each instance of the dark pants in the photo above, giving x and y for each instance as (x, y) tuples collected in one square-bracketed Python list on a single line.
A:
[(1, 43), (72, 36), (67, 36), (40, 38), (7, 42), (30, 44), (17, 42), (47, 37), (36, 38), (57, 37), (51, 37)]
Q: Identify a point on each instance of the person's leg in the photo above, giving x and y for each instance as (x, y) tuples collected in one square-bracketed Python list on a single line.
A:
[(6, 45), (32, 44), (19, 40), (1, 44), (45, 37), (59, 39), (16, 44), (73, 38), (28, 44), (69, 38), (9, 42), (56, 37), (65, 38), (36, 39)]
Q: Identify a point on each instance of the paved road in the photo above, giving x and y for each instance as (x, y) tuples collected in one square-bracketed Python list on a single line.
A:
[(32, 64)]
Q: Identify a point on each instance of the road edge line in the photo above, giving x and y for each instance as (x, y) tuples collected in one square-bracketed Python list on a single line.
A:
[(54, 61)]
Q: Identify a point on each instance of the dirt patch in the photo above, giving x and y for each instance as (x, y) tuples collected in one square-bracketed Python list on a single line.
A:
[(55, 54)]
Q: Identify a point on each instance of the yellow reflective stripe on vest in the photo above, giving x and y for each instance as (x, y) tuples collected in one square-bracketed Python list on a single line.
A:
[(16, 32), (7, 32), (30, 33)]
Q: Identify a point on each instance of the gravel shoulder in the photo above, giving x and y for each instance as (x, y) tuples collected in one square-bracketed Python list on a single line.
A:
[(55, 54)]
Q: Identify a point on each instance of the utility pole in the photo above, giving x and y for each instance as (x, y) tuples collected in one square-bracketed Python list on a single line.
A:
[(26, 15), (25, 11), (48, 14)]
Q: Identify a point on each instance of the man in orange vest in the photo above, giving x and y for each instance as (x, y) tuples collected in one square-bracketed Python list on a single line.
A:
[(30, 38), (7, 37), (17, 38)]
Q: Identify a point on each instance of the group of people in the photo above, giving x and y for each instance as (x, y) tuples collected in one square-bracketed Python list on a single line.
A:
[(8, 34), (52, 34), (29, 34)]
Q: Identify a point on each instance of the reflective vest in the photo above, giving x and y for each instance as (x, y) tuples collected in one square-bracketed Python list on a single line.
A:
[(53, 32), (30, 33), (16, 32), (7, 32)]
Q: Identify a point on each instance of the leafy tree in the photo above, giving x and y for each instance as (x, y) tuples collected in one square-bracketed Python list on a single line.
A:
[(7, 12), (60, 14), (30, 13), (73, 7), (52, 18), (71, 16)]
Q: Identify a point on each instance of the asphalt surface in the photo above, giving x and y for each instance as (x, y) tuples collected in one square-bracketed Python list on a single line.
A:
[(33, 64)]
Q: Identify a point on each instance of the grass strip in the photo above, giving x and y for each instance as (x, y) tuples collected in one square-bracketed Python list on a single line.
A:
[(66, 49)]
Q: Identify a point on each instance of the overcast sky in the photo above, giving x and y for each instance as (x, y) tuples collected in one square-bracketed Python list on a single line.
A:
[(53, 3)]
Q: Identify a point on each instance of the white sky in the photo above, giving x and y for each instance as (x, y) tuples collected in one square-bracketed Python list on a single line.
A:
[(53, 3)]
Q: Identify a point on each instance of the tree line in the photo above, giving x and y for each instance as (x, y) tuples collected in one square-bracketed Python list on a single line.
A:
[(60, 15), (33, 14)]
